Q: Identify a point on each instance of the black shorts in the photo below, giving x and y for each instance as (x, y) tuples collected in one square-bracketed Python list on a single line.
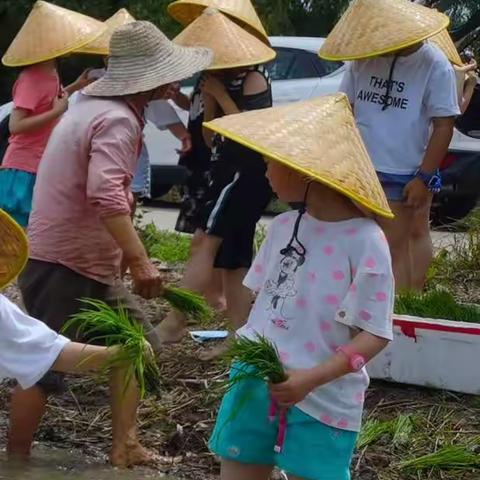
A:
[(236, 200)]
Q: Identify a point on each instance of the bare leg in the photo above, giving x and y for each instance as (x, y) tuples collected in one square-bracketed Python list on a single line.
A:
[(27, 408), (398, 233), (421, 246), (214, 292), (197, 276), (241, 471), (239, 303), (126, 449)]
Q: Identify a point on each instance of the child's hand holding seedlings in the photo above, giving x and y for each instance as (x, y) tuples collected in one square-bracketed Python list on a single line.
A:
[(301, 382)]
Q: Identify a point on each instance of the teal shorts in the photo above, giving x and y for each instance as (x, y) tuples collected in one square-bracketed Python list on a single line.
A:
[(244, 433), (16, 193)]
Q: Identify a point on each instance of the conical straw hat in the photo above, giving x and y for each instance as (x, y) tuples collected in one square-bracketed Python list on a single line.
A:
[(49, 32), (13, 249), (241, 11), (101, 45), (231, 45), (318, 138), (375, 27), (444, 41)]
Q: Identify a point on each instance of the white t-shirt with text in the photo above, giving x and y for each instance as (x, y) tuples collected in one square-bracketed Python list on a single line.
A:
[(309, 305), (423, 87)]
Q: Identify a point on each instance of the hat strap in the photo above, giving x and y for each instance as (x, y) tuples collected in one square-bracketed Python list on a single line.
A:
[(301, 251), (390, 83)]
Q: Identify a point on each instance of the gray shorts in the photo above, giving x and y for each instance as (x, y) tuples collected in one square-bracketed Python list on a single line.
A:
[(52, 293)]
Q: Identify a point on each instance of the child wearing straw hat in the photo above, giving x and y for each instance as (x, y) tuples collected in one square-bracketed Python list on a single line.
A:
[(230, 191), (28, 349), (403, 91), (38, 97), (80, 228), (324, 296)]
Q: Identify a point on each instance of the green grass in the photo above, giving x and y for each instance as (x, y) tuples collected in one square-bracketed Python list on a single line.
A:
[(169, 247), (436, 304)]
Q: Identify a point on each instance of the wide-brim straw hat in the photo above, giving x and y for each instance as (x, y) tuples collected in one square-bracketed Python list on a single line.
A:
[(444, 41), (318, 138), (142, 58), (49, 32), (13, 249), (241, 11), (376, 27), (101, 45), (232, 46)]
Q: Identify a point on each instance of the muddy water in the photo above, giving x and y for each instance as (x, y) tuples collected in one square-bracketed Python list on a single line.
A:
[(67, 465)]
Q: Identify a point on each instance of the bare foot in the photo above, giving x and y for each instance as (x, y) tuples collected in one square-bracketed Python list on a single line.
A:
[(170, 330), (214, 352), (131, 456), (217, 302)]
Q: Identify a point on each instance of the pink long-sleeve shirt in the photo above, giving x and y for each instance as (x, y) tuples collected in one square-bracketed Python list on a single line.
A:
[(84, 176)]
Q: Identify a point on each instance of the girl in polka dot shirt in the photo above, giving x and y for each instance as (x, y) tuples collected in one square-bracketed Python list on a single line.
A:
[(324, 286)]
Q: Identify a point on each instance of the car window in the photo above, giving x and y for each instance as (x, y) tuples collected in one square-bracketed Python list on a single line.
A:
[(294, 64)]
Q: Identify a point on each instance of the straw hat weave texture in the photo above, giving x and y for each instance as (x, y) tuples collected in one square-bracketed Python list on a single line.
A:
[(231, 45), (142, 58), (444, 41), (13, 249), (318, 138), (49, 32), (241, 11), (101, 45), (375, 27)]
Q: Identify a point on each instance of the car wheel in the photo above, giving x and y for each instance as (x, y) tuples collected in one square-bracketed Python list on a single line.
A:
[(450, 209)]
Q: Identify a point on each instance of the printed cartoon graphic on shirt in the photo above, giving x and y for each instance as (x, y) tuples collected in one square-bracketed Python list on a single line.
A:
[(377, 93), (284, 287)]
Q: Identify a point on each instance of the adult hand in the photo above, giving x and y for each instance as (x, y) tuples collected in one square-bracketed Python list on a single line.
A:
[(298, 385), (147, 281), (173, 91), (186, 144), (416, 194), (211, 85), (471, 67), (83, 80), (60, 103)]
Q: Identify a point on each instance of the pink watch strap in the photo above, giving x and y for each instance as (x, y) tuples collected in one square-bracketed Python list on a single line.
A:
[(356, 361)]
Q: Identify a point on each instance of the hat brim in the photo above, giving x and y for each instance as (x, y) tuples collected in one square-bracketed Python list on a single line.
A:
[(141, 74), (326, 181), (385, 51), (14, 246)]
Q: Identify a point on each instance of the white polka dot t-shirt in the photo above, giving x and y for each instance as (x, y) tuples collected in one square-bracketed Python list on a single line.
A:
[(308, 305)]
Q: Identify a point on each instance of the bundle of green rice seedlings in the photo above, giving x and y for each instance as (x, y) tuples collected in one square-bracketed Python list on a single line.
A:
[(98, 322), (191, 304), (372, 431), (402, 430), (452, 457), (437, 304), (260, 354)]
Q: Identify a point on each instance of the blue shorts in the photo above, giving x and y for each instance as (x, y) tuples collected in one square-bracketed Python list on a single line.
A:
[(141, 182), (16, 193), (244, 433), (394, 185)]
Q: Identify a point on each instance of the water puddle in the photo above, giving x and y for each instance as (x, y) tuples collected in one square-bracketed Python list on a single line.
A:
[(52, 464)]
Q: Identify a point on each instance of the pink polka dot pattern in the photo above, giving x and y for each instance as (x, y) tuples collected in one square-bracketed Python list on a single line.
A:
[(310, 347), (354, 272), (258, 269), (353, 288), (333, 347), (342, 423), (319, 230), (325, 326), (285, 220), (332, 300), (312, 277), (329, 250), (359, 398), (338, 275), (351, 232), (370, 262), (365, 316), (301, 302), (326, 419), (381, 297)]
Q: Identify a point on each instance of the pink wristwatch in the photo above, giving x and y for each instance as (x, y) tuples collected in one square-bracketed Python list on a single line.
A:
[(356, 361)]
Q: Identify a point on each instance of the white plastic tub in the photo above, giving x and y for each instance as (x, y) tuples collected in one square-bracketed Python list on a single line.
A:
[(431, 353)]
